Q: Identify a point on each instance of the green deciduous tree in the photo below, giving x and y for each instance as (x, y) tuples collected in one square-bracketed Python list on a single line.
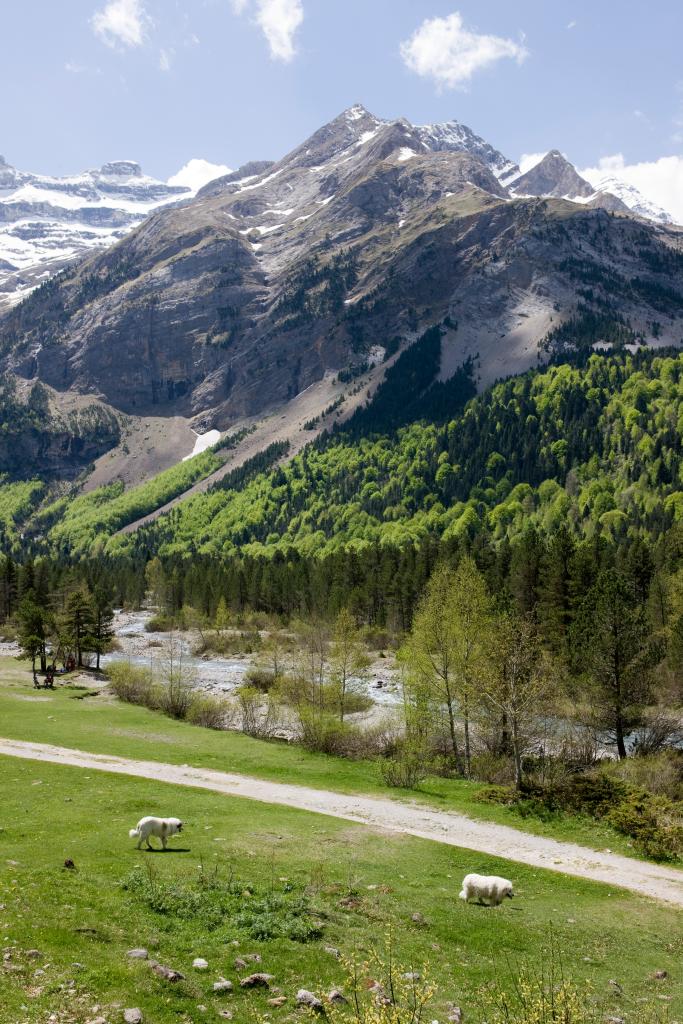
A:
[(448, 652), (348, 659)]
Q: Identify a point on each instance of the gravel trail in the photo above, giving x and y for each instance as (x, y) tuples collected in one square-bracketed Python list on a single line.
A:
[(653, 880)]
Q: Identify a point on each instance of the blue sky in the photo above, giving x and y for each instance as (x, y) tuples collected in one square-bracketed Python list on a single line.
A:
[(163, 81)]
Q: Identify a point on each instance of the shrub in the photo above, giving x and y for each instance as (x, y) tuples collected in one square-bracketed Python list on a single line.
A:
[(505, 795), (407, 769), (661, 774), (175, 698), (210, 712), (492, 767), (654, 823), (659, 732), (260, 716), (160, 624), (132, 684), (651, 823), (260, 679), (324, 733)]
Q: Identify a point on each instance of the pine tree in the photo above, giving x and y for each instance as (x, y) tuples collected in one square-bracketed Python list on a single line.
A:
[(611, 645), (76, 623), (33, 621), (102, 621)]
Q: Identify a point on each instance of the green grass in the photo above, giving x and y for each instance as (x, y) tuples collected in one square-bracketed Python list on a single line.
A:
[(103, 725), (86, 917)]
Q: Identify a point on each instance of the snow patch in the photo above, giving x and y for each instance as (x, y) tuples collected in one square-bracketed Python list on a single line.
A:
[(203, 442)]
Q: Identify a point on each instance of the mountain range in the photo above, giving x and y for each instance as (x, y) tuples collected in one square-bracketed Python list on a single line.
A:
[(282, 279), (47, 222)]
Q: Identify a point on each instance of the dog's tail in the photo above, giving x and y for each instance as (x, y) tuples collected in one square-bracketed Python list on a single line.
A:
[(134, 832)]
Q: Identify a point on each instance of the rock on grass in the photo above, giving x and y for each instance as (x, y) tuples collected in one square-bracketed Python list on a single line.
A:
[(256, 981)]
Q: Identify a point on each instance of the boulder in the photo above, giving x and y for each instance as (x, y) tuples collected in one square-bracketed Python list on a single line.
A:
[(337, 997), (306, 998), (222, 985), (256, 981), (167, 973)]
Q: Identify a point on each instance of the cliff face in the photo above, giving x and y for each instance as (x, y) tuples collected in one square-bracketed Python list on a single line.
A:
[(238, 300)]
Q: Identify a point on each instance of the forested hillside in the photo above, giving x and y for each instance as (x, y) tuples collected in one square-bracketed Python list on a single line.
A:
[(595, 448)]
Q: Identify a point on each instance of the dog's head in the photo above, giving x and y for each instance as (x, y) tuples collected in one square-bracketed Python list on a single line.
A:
[(175, 825), (507, 890)]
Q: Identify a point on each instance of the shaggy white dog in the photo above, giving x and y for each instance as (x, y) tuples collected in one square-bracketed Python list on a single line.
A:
[(162, 828), (489, 889)]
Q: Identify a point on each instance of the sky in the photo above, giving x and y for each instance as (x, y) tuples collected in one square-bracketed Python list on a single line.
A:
[(164, 82)]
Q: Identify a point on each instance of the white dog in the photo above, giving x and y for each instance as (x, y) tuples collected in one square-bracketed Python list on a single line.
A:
[(486, 888), (162, 828)]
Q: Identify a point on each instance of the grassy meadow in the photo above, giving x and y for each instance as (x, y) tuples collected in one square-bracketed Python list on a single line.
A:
[(247, 878)]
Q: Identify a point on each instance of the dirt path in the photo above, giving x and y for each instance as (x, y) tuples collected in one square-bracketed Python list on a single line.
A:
[(656, 881)]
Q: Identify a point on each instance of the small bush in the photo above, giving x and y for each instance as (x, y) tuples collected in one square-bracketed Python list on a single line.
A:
[(651, 823), (260, 679), (160, 624), (175, 698), (491, 767), (132, 684), (210, 712), (505, 795), (654, 823), (406, 770), (260, 716), (227, 644)]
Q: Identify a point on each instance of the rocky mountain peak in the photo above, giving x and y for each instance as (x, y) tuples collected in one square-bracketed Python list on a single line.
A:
[(121, 169), (454, 137), (554, 176)]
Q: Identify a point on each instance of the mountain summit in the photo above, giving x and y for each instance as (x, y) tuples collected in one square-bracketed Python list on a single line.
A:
[(232, 303), (555, 176)]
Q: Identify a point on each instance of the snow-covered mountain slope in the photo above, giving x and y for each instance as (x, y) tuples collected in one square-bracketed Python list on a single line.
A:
[(633, 199), (454, 137), (46, 222)]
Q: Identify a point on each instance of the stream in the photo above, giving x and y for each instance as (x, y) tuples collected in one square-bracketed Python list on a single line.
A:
[(214, 673)]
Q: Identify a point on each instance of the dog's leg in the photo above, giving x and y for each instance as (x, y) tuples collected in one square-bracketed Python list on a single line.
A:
[(139, 843), (163, 842)]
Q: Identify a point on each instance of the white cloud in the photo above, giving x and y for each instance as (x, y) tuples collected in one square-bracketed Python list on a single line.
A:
[(197, 173), (572, 24), (278, 20), (165, 59), (660, 181), (121, 22), (529, 160), (443, 49), (75, 69)]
